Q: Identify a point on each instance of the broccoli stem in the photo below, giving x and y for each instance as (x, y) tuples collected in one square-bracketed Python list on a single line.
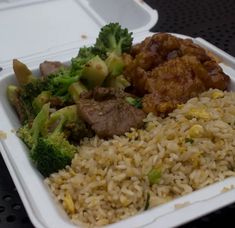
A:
[(118, 82), (17, 103), (115, 64), (22, 73), (29, 134), (94, 72), (40, 100), (66, 80), (76, 89), (39, 123), (12, 94), (68, 114)]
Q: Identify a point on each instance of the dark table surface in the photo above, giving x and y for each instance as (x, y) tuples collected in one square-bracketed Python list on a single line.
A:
[(213, 20)]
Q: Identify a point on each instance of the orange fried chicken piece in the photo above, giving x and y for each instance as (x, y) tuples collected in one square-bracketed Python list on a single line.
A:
[(172, 83), (167, 71)]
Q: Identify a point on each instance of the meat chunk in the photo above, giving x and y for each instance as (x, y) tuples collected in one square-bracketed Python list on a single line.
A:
[(103, 93), (48, 67), (165, 47), (167, 71), (107, 112), (172, 83)]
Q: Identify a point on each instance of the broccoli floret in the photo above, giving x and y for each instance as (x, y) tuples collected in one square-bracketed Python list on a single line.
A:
[(113, 39), (33, 88), (59, 82), (53, 153), (78, 130), (55, 88), (112, 42), (49, 148), (84, 55), (25, 133), (90, 67), (27, 93)]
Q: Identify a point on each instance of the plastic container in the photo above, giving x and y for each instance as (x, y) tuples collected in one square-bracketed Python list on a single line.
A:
[(37, 199)]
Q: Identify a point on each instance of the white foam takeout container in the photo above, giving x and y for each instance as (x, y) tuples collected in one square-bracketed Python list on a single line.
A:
[(36, 41)]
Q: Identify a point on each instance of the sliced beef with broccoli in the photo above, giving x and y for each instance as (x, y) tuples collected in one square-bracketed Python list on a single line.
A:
[(108, 112)]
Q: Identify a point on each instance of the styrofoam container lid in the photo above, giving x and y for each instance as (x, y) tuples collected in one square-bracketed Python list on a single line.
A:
[(37, 28)]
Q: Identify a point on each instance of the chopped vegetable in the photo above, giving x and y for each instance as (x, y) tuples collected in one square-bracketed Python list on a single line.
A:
[(154, 176), (112, 42), (40, 100), (53, 153), (22, 72), (22, 97), (118, 82), (68, 113), (136, 102), (76, 89), (115, 64), (84, 55), (94, 72), (13, 97), (147, 202), (59, 82), (29, 134)]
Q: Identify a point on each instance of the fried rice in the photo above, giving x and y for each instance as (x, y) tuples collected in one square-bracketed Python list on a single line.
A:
[(109, 180)]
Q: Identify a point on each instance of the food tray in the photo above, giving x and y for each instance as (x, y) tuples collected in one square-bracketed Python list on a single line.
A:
[(42, 209), (36, 195)]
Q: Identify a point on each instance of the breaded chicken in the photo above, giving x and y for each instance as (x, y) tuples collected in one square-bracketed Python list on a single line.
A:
[(167, 71)]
